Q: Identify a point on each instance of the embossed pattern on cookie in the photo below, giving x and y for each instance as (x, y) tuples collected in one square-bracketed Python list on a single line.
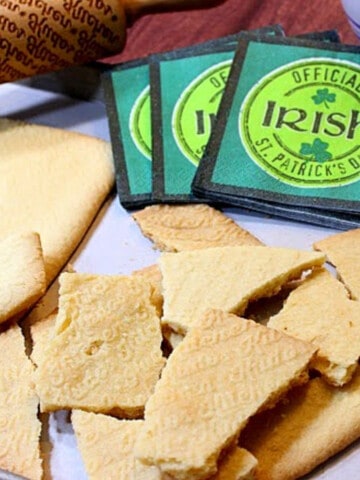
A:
[(174, 228), (104, 355), (19, 425), (224, 371)]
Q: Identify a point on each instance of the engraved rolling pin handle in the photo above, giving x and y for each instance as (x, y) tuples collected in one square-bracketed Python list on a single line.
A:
[(39, 36)]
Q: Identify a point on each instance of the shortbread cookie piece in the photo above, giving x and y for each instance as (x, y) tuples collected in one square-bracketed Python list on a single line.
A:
[(105, 353), (54, 182), (47, 305), (41, 332), (316, 422), (174, 228), (319, 311), (22, 273), (226, 278), (97, 434), (153, 274), (238, 464), (20, 427), (106, 446), (224, 371), (343, 251)]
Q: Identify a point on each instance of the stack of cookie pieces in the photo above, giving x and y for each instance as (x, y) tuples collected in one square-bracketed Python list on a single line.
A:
[(204, 411), (167, 377), (317, 419), (52, 184)]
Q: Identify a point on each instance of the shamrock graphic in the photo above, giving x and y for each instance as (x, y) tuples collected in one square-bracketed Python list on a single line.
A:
[(317, 150), (324, 96)]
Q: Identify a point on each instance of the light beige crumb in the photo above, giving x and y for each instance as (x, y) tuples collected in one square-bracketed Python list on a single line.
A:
[(227, 278), (175, 228), (20, 427), (316, 422), (343, 251), (224, 371), (319, 311), (105, 353), (22, 273)]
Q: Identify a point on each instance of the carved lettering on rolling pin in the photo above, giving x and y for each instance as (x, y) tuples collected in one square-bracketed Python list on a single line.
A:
[(37, 36)]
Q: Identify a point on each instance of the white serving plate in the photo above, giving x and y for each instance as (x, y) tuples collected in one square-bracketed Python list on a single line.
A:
[(115, 245)]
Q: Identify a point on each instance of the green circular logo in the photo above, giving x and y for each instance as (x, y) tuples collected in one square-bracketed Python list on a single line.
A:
[(195, 111), (139, 124), (301, 123)]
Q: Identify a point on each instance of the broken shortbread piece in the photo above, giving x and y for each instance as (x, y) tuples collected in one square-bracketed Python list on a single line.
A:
[(104, 355), (226, 278), (316, 422), (20, 427), (22, 274), (224, 371), (153, 275), (319, 311), (175, 228), (343, 252), (54, 182), (106, 446)]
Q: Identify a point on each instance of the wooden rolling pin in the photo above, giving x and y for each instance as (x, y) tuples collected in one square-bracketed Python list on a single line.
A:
[(38, 36)]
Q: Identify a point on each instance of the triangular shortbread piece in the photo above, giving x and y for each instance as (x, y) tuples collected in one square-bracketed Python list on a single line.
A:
[(106, 446), (343, 251), (319, 311), (175, 228), (20, 427), (104, 355), (52, 181), (316, 422), (22, 273), (224, 371), (226, 278)]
